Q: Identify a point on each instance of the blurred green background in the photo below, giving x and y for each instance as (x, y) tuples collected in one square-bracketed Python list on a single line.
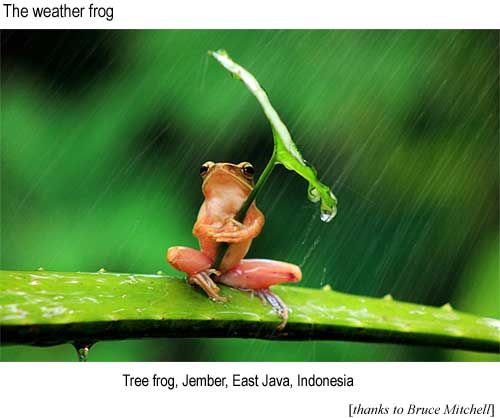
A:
[(103, 134)]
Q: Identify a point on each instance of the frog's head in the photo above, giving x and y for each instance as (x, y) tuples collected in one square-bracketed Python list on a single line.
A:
[(221, 176)]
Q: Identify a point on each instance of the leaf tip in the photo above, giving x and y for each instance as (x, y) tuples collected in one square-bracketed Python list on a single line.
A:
[(218, 53)]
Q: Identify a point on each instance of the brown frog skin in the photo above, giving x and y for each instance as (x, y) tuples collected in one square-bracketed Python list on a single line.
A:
[(226, 187)]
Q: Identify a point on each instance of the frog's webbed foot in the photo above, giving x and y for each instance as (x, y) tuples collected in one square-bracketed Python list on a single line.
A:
[(267, 296), (204, 280)]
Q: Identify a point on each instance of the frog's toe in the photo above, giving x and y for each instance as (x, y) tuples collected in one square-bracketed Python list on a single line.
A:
[(233, 222), (267, 296), (205, 280), (230, 240), (232, 236)]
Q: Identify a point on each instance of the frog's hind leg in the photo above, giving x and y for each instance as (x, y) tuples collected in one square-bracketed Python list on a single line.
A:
[(258, 275), (188, 260), (197, 266)]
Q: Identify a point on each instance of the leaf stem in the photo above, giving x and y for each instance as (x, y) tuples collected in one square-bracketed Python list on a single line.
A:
[(46, 308), (240, 216)]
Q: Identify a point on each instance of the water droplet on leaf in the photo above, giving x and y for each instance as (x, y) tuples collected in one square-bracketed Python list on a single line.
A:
[(327, 213), (328, 203), (82, 350)]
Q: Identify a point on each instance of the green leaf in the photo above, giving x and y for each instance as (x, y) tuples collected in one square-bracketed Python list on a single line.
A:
[(47, 308), (285, 150)]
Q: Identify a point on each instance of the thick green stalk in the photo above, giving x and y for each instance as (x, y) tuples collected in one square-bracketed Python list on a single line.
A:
[(240, 216), (46, 308)]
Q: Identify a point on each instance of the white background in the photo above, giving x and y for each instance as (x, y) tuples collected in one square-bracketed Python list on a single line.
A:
[(97, 390), (273, 14)]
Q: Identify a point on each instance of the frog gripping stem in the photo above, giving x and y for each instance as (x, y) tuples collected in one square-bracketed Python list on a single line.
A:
[(204, 280)]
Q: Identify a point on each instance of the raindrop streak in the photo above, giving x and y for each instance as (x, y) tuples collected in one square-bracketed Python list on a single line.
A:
[(82, 350)]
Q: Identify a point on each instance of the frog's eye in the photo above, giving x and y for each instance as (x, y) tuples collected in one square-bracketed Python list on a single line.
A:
[(247, 170), (204, 168)]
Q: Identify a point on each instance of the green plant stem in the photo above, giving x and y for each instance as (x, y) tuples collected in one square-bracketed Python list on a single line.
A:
[(240, 216), (46, 308)]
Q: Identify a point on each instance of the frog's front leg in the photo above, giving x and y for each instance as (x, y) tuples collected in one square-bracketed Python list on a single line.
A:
[(258, 275), (233, 231), (197, 266)]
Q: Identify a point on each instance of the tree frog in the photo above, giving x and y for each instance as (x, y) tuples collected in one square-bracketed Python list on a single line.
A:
[(226, 187)]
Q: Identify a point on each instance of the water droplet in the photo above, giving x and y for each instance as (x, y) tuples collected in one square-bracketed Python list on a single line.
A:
[(102, 270), (327, 214), (82, 350), (328, 203), (328, 207), (308, 164)]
